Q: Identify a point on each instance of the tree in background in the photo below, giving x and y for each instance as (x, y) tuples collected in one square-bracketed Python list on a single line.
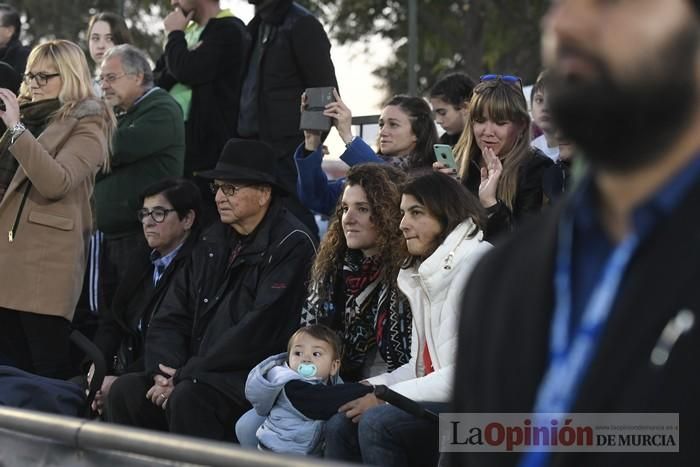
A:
[(476, 36), (67, 19)]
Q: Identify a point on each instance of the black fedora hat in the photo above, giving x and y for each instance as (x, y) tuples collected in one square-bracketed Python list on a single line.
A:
[(245, 160)]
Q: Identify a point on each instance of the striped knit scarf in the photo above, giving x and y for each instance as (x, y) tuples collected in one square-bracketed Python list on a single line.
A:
[(375, 314)]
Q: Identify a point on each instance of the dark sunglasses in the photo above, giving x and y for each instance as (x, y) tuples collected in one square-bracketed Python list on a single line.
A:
[(229, 189), (508, 79)]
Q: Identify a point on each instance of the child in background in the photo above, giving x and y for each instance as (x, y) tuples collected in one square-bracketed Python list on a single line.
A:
[(449, 98), (547, 141), (293, 393), (557, 179)]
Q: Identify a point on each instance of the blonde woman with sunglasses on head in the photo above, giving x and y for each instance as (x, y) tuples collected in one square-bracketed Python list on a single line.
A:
[(495, 159), (57, 140)]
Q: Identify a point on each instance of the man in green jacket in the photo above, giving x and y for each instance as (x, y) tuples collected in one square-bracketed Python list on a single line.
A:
[(148, 146)]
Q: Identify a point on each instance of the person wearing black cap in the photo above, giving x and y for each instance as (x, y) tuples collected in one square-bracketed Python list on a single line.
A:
[(595, 308), (236, 302)]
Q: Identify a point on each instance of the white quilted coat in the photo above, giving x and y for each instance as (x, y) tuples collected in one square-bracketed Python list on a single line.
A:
[(435, 291)]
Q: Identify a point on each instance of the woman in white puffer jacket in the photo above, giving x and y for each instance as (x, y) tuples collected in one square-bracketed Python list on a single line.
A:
[(435, 302), (442, 228)]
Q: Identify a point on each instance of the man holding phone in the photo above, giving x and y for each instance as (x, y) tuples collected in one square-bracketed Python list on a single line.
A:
[(201, 68), (290, 52)]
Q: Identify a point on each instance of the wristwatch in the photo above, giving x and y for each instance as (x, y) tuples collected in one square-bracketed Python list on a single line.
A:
[(16, 131)]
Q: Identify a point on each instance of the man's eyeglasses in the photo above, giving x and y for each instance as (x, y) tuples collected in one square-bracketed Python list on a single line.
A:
[(508, 79), (111, 78), (158, 214), (40, 77), (229, 189)]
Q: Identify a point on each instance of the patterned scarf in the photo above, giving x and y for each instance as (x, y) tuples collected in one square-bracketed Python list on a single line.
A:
[(376, 314)]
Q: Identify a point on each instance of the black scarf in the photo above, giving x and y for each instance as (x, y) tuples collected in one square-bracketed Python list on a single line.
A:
[(35, 116)]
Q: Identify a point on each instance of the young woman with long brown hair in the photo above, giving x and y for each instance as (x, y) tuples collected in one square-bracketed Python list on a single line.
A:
[(353, 286)]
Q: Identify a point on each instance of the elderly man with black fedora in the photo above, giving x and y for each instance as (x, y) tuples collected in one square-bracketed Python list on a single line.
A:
[(236, 302)]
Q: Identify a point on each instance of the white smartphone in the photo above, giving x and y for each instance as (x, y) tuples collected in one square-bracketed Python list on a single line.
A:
[(443, 154)]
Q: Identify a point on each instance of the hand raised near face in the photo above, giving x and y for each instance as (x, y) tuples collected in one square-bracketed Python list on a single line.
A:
[(490, 176), (177, 20)]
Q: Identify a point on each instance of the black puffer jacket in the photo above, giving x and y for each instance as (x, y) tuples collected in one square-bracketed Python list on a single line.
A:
[(218, 321)]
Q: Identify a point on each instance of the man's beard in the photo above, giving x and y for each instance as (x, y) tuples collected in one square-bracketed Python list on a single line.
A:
[(625, 126)]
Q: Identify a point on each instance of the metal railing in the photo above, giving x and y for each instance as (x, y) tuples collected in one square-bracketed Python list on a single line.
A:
[(366, 127), (34, 438)]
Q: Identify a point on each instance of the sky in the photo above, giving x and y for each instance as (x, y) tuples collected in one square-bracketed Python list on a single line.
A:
[(352, 66)]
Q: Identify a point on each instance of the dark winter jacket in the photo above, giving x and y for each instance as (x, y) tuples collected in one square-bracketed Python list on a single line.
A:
[(295, 55), (505, 332), (135, 301), (529, 197), (218, 321), (213, 69), (15, 54)]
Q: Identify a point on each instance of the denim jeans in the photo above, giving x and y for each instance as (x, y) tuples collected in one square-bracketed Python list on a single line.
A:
[(385, 436)]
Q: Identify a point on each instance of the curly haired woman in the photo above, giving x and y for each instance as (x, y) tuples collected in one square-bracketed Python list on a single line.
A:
[(353, 280)]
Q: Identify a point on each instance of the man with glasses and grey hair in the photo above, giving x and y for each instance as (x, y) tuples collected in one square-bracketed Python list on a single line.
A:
[(148, 146), (236, 301)]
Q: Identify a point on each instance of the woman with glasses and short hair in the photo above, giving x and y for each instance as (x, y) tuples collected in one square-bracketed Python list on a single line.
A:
[(496, 161), (59, 133), (170, 218)]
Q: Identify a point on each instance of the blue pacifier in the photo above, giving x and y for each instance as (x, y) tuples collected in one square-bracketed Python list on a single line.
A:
[(307, 370)]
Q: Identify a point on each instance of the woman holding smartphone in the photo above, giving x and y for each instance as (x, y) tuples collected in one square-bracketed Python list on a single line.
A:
[(406, 137), (496, 161), (57, 140)]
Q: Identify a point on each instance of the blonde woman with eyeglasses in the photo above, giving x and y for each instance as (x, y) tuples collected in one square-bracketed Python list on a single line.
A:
[(57, 140)]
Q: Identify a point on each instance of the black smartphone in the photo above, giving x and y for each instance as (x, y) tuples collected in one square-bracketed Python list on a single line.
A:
[(312, 117)]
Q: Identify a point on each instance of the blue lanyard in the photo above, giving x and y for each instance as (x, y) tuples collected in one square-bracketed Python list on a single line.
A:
[(570, 357)]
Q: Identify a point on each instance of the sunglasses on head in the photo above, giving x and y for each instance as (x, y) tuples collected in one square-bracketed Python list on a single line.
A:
[(508, 79)]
